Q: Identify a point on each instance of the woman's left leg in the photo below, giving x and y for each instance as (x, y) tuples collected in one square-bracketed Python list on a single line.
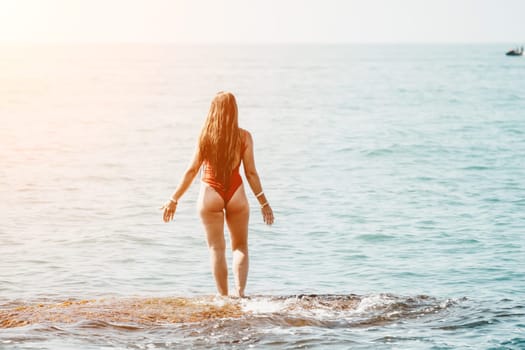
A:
[(237, 217), (211, 211)]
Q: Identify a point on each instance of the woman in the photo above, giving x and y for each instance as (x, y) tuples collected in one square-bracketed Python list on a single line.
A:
[(222, 147)]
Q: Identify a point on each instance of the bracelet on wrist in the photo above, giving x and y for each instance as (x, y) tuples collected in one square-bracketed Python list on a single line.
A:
[(264, 204), (259, 194), (173, 200)]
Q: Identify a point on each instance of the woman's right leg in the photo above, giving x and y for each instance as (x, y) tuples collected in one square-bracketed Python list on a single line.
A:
[(211, 211)]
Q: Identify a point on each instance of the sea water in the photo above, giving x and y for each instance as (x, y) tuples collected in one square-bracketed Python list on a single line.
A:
[(396, 174)]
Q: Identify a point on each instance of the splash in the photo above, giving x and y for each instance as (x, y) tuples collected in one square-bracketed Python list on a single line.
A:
[(335, 311)]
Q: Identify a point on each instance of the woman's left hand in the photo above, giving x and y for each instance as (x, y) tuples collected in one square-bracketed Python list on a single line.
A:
[(267, 214), (169, 211)]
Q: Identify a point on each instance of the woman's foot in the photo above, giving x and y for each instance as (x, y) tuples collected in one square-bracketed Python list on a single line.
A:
[(239, 294)]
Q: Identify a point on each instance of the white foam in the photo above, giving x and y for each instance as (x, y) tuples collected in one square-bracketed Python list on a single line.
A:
[(289, 306), (262, 306), (373, 302)]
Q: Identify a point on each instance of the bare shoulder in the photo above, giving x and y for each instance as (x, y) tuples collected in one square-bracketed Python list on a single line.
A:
[(247, 137)]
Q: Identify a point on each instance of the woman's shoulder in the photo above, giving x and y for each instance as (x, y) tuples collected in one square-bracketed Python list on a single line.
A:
[(245, 133), (246, 136)]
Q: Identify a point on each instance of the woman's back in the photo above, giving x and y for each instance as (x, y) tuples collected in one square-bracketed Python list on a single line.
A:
[(227, 187)]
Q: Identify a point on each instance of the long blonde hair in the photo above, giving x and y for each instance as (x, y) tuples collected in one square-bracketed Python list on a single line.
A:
[(220, 139)]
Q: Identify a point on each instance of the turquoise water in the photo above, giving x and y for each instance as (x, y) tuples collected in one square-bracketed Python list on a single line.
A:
[(396, 173)]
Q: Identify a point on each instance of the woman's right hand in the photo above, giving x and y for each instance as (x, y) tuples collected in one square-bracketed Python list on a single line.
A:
[(169, 210), (267, 214)]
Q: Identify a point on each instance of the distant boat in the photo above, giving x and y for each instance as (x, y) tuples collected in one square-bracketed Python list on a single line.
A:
[(515, 52)]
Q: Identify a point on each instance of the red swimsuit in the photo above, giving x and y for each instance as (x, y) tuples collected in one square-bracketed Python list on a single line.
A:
[(208, 176)]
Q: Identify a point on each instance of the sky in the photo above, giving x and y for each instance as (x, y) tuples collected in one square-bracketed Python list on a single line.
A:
[(262, 21)]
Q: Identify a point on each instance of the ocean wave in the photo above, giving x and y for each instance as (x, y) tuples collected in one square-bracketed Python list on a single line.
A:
[(319, 310)]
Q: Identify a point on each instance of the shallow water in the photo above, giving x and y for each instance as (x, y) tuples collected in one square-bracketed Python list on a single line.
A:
[(396, 174)]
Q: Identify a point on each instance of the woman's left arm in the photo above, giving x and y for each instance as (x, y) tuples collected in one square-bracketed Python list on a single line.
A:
[(190, 173)]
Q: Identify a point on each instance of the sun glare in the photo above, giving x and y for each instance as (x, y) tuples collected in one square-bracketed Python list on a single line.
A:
[(22, 21)]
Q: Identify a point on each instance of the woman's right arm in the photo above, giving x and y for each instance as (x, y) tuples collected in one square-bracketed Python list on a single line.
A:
[(250, 172), (190, 173)]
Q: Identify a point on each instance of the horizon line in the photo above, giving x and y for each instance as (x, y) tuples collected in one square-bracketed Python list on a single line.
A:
[(261, 43)]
